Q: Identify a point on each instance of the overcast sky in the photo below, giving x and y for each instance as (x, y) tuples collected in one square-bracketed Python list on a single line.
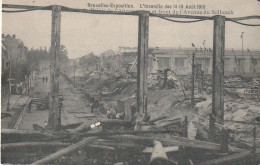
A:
[(83, 33)]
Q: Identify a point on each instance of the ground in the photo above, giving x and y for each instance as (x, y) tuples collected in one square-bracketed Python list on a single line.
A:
[(75, 108), (162, 102), (169, 104)]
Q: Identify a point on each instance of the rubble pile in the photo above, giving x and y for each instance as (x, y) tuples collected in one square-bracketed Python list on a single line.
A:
[(238, 110), (172, 125), (168, 102), (171, 104)]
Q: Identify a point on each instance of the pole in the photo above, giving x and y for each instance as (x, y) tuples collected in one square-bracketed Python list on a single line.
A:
[(254, 145), (192, 81), (49, 159), (10, 89), (54, 115), (242, 37), (74, 82), (217, 114), (166, 76), (142, 63)]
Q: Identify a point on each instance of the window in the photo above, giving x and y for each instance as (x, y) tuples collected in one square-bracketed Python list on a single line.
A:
[(227, 65), (241, 61), (207, 61), (179, 62), (199, 61), (226, 61), (164, 62)]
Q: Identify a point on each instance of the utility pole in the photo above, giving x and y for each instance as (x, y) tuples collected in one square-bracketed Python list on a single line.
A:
[(54, 113), (142, 63), (74, 81), (192, 80), (218, 75), (242, 38), (165, 77), (254, 145), (10, 88), (65, 67)]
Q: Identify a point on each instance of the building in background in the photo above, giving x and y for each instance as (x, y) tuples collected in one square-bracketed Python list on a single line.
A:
[(15, 47), (15, 68), (180, 59)]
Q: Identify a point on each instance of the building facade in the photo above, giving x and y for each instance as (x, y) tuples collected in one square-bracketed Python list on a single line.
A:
[(235, 62), (14, 63), (15, 47), (179, 60)]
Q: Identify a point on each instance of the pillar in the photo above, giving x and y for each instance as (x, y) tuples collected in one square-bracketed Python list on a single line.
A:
[(142, 63), (54, 120), (218, 74)]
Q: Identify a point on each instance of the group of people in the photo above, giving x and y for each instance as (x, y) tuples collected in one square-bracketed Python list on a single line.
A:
[(45, 79)]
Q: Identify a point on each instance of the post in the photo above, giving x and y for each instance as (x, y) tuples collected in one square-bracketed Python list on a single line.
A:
[(142, 63), (185, 127), (242, 38), (254, 146), (218, 74), (192, 81), (224, 140), (165, 77), (10, 88), (54, 115), (74, 81), (28, 79)]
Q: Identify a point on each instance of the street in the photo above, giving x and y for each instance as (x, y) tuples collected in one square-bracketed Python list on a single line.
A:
[(74, 109)]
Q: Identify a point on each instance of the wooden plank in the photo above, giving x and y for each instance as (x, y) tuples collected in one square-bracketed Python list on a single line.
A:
[(65, 151), (13, 135), (192, 80), (34, 144), (12, 146), (176, 141), (158, 118), (9, 132), (229, 158), (116, 122), (243, 122), (224, 140), (54, 114), (109, 133), (158, 151), (142, 63), (218, 74), (119, 145)]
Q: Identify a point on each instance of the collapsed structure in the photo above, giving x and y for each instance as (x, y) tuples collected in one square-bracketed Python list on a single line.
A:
[(142, 132)]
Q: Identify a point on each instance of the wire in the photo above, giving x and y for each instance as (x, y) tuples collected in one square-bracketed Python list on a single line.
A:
[(68, 9), (26, 10), (126, 13), (177, 21), (245, 24)]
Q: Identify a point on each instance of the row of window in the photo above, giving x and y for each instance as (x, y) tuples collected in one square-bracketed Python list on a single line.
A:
[(181, 62)]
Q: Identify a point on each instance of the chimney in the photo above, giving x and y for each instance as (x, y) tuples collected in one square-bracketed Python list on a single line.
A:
[(3, 35), (13, 36)]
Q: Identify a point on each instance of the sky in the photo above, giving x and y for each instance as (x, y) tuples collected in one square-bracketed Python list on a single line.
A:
[(84, 33)]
